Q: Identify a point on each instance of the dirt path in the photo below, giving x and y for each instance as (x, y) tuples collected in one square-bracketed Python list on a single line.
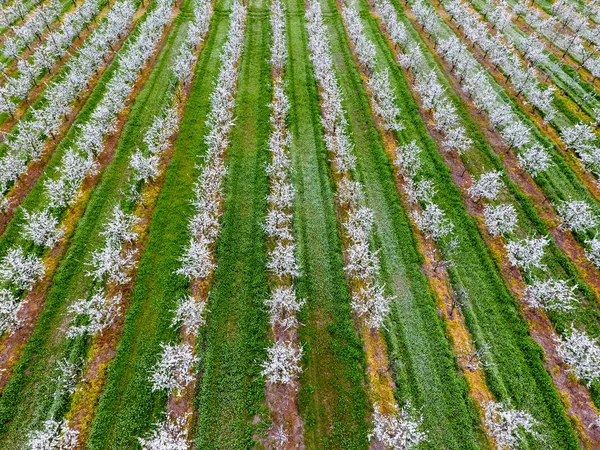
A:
[(11, 346), (576, 397), (26, 181)]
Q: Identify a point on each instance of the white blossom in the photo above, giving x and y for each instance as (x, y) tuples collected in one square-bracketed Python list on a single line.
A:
[(9, 311), (169, 434), (42, 228), (98, 313), (398, 430), (582, 353), (385, 102), (552, 295), (527, 253), (593, 250), (66, 377), (278, 224), (488, 186), (500, 219), (509, 427), (145, 168), (371, 305), (577, 215), (361, 262), (364, 48), (421, 191), (581, 138), (110, 263), (280, 437), (408, 159), (174, 369), (535, 159), (190, 313), (283, 306), (433, 221), (282, 261), (53, 436), (516, 133), (197, 261), (283, 363), (21, 270)]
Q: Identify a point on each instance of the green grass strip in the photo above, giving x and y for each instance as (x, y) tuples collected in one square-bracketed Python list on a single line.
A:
[(420, 355), (234, 339), (332, 403), (492, 315)]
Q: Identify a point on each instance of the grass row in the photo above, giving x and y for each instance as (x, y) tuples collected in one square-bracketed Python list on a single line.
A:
[(230, 400), (481, 158), (332, 401), (422, 361)]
